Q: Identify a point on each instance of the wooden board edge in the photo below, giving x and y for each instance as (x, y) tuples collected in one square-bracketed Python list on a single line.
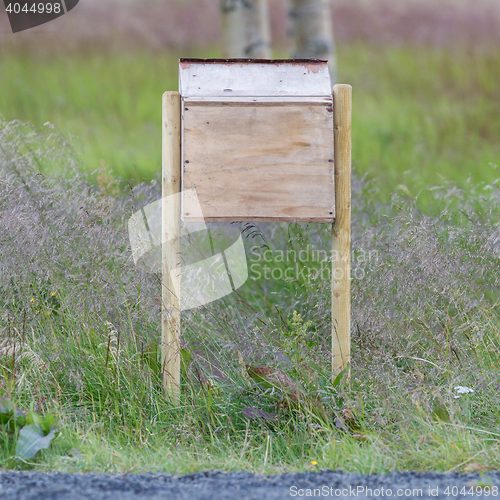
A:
[(328, 220)]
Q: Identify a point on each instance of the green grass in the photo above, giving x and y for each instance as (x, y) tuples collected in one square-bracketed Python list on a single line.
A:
[(425, 306), (115, 419), (427, 110), (430, 111), (111, 104), (428, 447)]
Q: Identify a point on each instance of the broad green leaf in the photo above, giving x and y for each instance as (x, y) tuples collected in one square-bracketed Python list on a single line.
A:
[(31, 440), (439, 411), (18, 420), (49, 421), (6, 410), (340, 376), (33, 418)]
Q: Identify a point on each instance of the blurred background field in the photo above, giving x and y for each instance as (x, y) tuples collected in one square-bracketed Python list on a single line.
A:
[(425, 77), (80, 322)]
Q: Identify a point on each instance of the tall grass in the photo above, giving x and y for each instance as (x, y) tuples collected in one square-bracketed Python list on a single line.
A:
[(424, 76), (79, 322), (425, 311), (430, 111), (111, 104)]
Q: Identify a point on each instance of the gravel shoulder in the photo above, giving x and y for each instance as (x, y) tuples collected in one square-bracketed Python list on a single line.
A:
[(245, 486)]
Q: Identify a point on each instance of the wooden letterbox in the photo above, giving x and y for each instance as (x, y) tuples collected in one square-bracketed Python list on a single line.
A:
[(257, 140), (250, 140)]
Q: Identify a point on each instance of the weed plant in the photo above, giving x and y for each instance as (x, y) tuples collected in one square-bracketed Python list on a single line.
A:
[(80, 325)]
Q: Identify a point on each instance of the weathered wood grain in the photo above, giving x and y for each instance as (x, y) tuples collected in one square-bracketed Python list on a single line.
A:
[(341, 241), (171, 212), (259, 162)]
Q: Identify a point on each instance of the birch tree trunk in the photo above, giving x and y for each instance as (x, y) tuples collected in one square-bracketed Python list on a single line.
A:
[(246, 31), (313, 31)]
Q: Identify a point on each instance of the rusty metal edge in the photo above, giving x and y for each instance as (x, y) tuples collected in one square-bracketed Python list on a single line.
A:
[(259, 61)]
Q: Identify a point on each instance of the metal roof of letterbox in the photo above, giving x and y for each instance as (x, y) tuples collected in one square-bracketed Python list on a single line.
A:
[(243, 78)]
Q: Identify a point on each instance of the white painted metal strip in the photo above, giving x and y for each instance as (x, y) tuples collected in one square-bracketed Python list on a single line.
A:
[(247, 78)]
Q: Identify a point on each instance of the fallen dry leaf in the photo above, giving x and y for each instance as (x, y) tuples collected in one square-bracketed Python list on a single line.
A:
[(475, 467), (270, 377), (252, 413)]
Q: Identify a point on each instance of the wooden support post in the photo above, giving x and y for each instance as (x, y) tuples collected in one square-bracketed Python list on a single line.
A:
[(171, 220), (341, 240)]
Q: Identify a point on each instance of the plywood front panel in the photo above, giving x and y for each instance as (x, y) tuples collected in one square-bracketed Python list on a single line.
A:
[(251, 161)]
